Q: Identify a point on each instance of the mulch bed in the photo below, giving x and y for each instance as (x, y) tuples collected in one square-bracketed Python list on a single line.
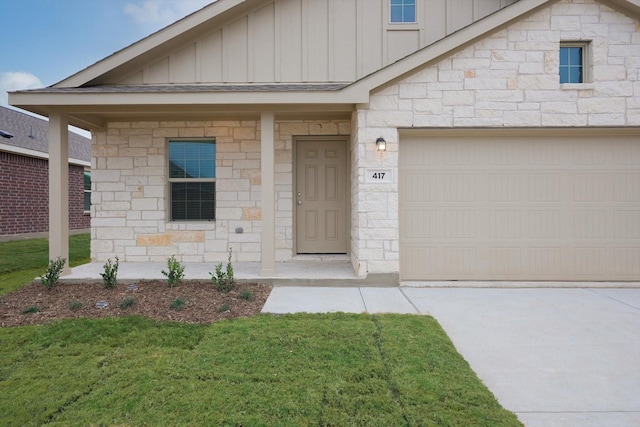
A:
[(203, 303)]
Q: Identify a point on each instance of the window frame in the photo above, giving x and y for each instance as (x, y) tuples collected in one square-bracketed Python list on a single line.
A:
[(415, 13), (87, 171), (171, 181), (585, 59)]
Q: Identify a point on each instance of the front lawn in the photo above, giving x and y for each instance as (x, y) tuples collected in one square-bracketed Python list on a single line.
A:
[(294, 370), (22, 260)]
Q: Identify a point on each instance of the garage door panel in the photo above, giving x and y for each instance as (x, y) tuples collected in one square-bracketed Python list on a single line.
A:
[(506, 187), (626, 153), (421, 188), (460, 187), (520, 208), (503, 260), (591, 261), (545, 262), (422, 223), (626, 224), (505, 224), (592, 187), (626, 187), (590, 224), (627, 262), (544, 224)]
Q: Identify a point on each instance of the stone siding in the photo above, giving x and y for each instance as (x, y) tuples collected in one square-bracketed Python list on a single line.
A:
[(508, 79), (130, 191)]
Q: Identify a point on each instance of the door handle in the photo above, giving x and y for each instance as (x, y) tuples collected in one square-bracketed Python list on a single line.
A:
[(299, 201)]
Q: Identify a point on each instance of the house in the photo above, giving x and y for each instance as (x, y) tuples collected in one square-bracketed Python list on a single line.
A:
[(420, 140), (24, 195)]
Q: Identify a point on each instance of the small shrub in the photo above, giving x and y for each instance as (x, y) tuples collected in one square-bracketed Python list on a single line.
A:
[(224, 307), (224, 281), (50, 278), (31, 310), (178, 304), (174, 272), (75, 305), (126, 303), (109, 277), (246, 295)]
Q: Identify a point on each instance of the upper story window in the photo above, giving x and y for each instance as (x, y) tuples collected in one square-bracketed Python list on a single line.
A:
[(192, 180), (573, 67), (403, 11)]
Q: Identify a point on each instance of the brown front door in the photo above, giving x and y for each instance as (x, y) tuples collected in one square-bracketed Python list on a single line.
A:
[(321, 197)]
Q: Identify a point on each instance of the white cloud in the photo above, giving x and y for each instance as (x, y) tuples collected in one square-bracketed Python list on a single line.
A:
[(163, 12), (19, 80), (16, 80)]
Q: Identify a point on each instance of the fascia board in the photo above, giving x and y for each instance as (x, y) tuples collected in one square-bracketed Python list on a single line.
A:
[(52, 99), (448, 44), (148, 43)]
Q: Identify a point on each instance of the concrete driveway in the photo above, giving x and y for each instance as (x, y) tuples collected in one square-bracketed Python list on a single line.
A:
[(555, 357)]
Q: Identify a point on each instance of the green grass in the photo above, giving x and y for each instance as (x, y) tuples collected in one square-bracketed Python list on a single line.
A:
[(22, 260), (294, 370)]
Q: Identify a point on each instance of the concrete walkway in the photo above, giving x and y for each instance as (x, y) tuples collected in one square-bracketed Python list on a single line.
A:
[(555, 357)]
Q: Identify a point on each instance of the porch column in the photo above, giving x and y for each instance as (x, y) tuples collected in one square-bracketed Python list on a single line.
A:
[(59, 188), (267, 160)]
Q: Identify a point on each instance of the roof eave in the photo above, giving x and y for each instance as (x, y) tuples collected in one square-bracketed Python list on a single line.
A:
[(350, 95)]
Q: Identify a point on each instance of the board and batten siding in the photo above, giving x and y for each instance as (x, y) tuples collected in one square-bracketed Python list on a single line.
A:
[(293, 41)]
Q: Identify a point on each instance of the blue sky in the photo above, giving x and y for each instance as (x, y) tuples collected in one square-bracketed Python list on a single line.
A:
[(44, 41)]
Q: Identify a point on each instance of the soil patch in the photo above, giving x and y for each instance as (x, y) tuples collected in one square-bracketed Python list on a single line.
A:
[(201, 302)]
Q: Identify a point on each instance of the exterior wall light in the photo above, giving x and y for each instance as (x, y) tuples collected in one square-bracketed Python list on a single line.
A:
[(381, 144)]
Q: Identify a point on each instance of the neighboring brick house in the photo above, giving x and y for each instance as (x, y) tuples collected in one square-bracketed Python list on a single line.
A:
[(419, 140), (24, 192)]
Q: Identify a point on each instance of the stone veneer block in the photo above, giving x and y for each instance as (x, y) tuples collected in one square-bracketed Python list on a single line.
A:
[(188, 236), (251, 213), (154, 240)]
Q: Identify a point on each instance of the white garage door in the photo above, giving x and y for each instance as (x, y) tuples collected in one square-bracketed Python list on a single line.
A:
[(512, 206)]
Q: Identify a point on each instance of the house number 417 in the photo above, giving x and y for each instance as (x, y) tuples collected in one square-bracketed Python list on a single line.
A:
[(379, 175)]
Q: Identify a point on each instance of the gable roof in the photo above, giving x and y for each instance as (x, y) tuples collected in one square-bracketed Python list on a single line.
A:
[(107, 101), (30, 137)]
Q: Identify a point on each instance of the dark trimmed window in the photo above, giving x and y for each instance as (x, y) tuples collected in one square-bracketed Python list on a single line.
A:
[(192, 180), (87, 190), (403, 11), (572, 67)]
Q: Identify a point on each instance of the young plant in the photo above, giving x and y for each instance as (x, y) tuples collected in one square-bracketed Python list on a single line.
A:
[(224, 307), (224, 280), (75, 305), (50, 278), (177, 304), (109, 277), (246, 295), (126, 303), (31, 310), (174, 272)]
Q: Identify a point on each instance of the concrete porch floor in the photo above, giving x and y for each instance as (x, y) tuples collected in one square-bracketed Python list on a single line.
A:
[(323, 272)]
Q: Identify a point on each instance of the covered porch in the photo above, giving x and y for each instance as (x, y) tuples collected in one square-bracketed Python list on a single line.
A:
[(130, 132)]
